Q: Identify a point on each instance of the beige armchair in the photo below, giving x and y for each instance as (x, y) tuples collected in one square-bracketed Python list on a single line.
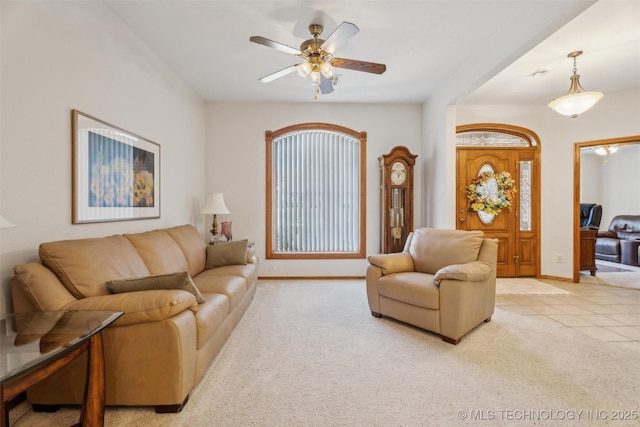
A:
[(444, 281)]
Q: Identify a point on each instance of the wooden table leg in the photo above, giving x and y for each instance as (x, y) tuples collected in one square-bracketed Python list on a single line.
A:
[(94, 395), (4, 411)]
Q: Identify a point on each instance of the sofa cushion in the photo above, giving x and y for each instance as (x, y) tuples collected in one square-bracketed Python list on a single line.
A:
[(180, 280), (84, 265), (160, 252), (248, 271), (607, 246), (211, 316), (412, 288), (433, 249), (140, 307), (230, 253), (192, 245), (234, 287)]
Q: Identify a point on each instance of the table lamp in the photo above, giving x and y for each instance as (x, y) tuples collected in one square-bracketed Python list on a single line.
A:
[(214, 205)]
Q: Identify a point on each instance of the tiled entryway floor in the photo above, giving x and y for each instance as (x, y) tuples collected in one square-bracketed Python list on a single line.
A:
[(604, 312)]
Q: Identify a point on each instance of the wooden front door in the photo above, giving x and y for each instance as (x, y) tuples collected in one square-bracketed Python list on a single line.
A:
[(517, 230)]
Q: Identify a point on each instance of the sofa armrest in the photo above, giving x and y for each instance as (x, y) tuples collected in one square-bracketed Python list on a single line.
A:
[(139, 306), (392, 263), (476, 271), (606, 233)]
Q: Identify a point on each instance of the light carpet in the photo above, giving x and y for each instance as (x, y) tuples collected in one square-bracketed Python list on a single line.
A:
[(526, 286), (309, 353), (629, 280)]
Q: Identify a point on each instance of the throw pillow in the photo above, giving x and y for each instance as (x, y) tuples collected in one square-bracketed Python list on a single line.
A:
[(230, 253), (180, 280)]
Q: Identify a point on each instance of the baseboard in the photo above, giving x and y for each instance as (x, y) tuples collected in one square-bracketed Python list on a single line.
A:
[(559, 279)]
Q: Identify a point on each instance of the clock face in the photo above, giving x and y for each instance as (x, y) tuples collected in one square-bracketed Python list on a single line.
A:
[(398, 173)]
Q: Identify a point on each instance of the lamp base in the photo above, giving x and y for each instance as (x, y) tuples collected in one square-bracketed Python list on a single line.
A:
[(218, 238)]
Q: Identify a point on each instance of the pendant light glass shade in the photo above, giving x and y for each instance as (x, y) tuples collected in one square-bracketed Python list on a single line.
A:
[(576, 101)]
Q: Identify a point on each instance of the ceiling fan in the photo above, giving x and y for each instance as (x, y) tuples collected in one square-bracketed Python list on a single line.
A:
[(317, 54)]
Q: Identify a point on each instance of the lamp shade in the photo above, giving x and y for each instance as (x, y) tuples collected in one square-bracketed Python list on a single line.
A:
[(215, 205), (575, 103)]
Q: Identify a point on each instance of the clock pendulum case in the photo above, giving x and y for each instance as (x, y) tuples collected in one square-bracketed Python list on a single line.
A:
[(396, 198)]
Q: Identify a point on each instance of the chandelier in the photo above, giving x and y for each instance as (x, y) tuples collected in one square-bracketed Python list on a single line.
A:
[(576, 101)]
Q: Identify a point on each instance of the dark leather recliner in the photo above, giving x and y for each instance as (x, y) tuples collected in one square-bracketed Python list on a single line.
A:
[(590, 215), (621, 242)]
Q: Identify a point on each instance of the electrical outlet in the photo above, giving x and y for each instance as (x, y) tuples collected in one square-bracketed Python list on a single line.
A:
[(559, 259)]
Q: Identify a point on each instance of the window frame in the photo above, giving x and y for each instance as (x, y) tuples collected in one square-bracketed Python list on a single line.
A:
[(270, 136)]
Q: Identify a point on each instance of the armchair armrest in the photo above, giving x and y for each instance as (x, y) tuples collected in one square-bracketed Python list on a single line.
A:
[(392, 263), (475, 271), (139, 306)]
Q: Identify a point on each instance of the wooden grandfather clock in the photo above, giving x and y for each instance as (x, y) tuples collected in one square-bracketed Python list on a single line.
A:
[(396, 198)]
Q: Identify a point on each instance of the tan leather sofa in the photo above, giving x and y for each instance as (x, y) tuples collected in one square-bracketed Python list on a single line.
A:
[(444, 281), (160, 348)]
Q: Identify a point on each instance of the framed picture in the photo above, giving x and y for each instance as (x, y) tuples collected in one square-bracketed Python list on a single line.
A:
[(116, 174)]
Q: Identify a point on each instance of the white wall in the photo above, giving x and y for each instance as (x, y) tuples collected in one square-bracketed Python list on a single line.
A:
[(618, 175), (616, 115), (57, 56), (236, 167), (591, 178)]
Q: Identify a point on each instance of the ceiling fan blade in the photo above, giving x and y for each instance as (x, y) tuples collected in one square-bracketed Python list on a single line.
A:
[(271, 77), (340, 36), (275, 45), (325, 85), (352, 64)]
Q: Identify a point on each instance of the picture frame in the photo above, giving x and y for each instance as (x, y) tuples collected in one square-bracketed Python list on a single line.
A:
[(116, 174)]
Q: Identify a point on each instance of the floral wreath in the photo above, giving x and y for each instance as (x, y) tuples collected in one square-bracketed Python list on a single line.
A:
[(478, 197)]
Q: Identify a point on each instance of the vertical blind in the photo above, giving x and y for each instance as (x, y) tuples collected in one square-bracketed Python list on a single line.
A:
[(316, 197)]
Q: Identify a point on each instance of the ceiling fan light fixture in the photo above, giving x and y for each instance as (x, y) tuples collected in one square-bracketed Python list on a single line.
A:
[(327, 70), (576, 101), (315, 78), (304, 69)]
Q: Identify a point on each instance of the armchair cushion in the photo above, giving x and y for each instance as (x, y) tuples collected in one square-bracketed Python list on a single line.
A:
[(433, 249), (411, 288), (476, 271), (230, 253), (392, 263), (180, 280)]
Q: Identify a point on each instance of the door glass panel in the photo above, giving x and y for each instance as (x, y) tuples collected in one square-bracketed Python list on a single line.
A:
[(525, 195), (493, 139), (489, 190)]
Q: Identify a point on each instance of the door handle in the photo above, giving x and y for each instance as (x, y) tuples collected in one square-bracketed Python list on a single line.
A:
[(463, 219)]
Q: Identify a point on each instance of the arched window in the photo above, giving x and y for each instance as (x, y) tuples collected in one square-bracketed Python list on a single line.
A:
[(315, 192)]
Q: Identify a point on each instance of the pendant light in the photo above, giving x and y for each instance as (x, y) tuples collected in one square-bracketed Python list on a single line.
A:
[(576, 101)]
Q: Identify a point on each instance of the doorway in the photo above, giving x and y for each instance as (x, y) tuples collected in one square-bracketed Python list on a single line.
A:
[(578, 147), (490, 150)]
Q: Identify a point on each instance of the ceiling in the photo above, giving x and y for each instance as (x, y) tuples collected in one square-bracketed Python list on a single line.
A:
[(426, 46)]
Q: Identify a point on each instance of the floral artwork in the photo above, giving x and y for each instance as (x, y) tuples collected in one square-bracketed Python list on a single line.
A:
[(116, 174), (120, 175), (491, 193)]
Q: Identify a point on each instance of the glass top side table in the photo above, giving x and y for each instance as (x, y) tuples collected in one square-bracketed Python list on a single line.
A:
[(34, 345)]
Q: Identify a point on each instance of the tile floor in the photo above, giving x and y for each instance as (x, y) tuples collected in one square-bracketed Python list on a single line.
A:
[(603, 312)]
